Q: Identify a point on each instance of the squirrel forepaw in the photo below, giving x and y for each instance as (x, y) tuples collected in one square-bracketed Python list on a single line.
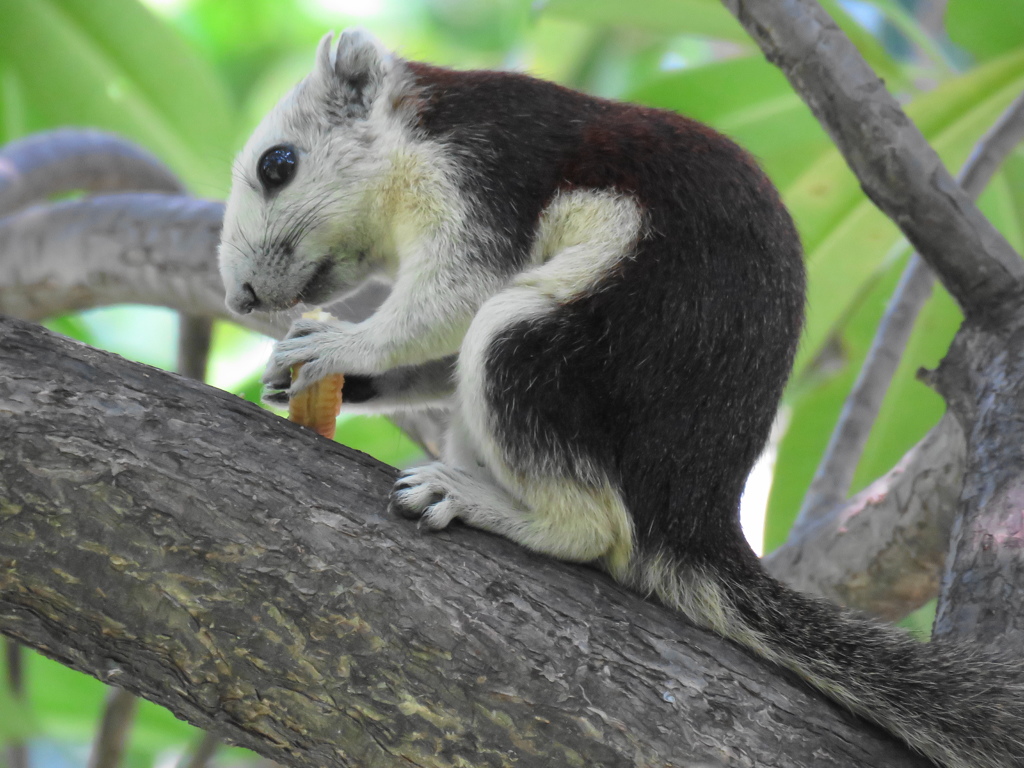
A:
[(319, 347)]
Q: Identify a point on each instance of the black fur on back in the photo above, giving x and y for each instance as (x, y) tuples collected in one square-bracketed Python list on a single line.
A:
[(667, 378)]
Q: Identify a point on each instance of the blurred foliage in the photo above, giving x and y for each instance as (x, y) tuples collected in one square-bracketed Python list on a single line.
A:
[(190, 78), (986, 28), (114, 65)]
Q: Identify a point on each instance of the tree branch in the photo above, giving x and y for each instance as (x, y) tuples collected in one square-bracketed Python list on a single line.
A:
[(835, 472), (982, 595), (143, 540), (68, 159), (115, 727), (884, 550), (982, 376), (896, 166)]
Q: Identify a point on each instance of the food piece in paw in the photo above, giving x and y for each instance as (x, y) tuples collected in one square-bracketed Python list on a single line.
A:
[(317, 406)]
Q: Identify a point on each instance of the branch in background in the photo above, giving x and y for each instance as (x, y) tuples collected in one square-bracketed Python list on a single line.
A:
[(51, 163), (884, 550), (149, 248), (302, 622), (115, 727), (14, 657), (203, 752), (194, 337), (897, 168), (835, 473)]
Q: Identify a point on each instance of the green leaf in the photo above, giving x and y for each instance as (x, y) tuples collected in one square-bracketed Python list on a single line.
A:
[(697, 17), (750, 101), (986, 28), (919, 623), (72, 326), (708, 18), (1011, 181), (495, 25), (66, 703), (112, 64), (245, 38)]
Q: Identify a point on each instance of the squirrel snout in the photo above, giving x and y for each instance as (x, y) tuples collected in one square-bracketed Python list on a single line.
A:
[(244, 300)]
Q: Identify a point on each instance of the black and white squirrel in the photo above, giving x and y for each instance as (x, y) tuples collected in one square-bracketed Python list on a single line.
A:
[(621, 291)]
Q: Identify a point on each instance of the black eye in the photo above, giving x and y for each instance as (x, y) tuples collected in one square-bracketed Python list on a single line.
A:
[(277, 166)]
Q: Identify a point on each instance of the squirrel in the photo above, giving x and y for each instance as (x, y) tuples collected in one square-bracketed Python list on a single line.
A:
[(608, 297)]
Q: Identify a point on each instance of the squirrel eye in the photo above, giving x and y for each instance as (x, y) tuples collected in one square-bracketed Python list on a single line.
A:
[(277, 166)]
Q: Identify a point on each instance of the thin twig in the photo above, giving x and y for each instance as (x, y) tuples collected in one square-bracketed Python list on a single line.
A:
[(14, 653), (202, 754), (115, 727), (194, 336), (834, 476)]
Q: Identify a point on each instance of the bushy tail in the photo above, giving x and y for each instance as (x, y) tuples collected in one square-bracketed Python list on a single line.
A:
[(961, 706)]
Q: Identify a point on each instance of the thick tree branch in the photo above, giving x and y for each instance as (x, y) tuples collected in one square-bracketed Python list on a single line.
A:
[(148, 248), (144, 539), (982, 595), (896, 166)]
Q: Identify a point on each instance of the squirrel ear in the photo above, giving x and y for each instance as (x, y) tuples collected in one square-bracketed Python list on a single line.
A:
[(360, 64), (324, 67)]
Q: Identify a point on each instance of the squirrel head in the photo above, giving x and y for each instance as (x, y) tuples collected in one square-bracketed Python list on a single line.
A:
[(300, 220)]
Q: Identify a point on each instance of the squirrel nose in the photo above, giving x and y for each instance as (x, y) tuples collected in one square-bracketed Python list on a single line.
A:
[(245, 301)]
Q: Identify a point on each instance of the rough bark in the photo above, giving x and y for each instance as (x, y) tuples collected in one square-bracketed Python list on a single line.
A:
[(187, 546), (982, 597)]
